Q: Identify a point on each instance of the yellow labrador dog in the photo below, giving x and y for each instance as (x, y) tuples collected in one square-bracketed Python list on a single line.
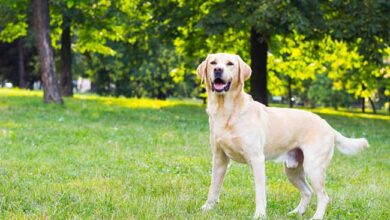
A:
[(246, 131)]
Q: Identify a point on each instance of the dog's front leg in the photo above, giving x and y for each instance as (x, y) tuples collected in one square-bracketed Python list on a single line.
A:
[(220, 164), (258, 167)]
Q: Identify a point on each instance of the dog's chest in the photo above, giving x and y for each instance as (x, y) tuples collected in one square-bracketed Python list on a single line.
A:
[(228, 139)]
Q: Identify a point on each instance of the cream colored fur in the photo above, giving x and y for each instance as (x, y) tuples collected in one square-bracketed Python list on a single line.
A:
[(248, 132)]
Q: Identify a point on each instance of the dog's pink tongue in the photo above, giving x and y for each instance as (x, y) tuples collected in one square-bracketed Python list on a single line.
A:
[(219, 86)]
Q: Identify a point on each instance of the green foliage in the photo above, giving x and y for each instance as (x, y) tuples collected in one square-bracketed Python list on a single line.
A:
[(291, 58), (322, 92), (13, 31), (306, 62), (268, 17), (13, 19), (364, 21), (151, 48)]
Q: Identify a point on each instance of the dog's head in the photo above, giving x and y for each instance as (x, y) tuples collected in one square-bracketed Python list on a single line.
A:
[(223, 72)]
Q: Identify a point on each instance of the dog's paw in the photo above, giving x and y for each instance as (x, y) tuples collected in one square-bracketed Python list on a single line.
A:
[(207, 206), (292, 212), (295, 212), (318, 216), (259, 215)]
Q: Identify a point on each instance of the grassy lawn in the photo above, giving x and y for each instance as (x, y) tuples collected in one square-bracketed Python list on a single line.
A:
[(104, 158)]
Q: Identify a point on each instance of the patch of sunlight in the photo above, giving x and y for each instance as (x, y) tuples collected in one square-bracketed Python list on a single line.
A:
[(329, 111), (19, 92), (141, 103), (382, 115), (137, 103), (121, 101), (157, 104)]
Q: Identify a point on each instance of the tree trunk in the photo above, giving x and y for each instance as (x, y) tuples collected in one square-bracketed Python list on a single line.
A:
[(21, 69), (259, 48), (51, 91), (66, 58), (290, 102), (372, 105), (363, 100), (103, 82), (388, 108)]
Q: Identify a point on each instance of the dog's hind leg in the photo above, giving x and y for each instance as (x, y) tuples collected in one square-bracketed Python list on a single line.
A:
[(298, 178), (315, 165), (293, 167)]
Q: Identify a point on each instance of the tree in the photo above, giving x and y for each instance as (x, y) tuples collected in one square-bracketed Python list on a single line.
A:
[(66, 58), (13, 28), (95, 22), (150, 48), (263, 20), (259, 54), (21, 66), (51, 91), (322, 92), (281, 17), (293, 63), (364, 24)]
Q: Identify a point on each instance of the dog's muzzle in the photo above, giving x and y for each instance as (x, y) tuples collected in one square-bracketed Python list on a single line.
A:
[(219, 85)]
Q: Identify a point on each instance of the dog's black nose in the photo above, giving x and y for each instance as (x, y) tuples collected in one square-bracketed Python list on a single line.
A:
[(218, 72)]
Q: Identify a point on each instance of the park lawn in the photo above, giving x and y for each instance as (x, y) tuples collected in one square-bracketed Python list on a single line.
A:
[(101, 158)]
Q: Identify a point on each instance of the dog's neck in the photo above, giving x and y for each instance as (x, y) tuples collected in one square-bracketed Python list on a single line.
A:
[(227, 104)]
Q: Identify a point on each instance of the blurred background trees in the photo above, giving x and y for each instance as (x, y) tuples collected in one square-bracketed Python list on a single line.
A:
[(312, 53)]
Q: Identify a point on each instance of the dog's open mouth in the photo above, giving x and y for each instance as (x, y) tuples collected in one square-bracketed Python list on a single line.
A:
[(219, 85)]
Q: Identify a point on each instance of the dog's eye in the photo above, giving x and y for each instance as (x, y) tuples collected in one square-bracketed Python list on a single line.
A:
[(213, 62), (230, 64)]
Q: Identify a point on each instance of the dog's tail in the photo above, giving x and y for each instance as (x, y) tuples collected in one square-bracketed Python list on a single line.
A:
[(350, 146)]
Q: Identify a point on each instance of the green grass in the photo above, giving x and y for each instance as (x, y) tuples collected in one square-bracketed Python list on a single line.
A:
[(101, 158)]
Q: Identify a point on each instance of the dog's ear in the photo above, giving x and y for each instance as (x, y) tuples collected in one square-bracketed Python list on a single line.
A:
[(245, 70), (202, 68)]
